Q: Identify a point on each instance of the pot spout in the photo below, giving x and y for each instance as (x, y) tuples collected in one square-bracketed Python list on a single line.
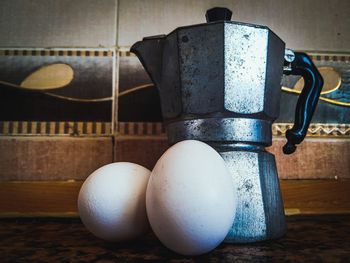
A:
[(150, 52)]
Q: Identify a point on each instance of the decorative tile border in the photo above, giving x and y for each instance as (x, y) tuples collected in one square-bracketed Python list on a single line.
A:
[(141, 128), (23, 128), (57, 52), (329, 57), (126, 54), (315, 129), (278, 129)]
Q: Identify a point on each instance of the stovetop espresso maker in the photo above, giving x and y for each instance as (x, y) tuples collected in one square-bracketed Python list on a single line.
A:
[(220, 83)]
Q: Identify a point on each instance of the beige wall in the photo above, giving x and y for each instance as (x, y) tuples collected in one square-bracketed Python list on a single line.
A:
[(57, 23), (322, 25)]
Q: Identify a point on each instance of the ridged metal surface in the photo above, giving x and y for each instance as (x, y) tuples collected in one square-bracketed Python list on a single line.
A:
[(245, 51), (259, 215), (221, 130), (249, 223)]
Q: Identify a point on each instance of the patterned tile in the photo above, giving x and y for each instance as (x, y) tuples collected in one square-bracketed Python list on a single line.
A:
[(57, 91)]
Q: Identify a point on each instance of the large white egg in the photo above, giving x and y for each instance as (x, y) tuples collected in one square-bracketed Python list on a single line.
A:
[(190, 198), (111, 201)]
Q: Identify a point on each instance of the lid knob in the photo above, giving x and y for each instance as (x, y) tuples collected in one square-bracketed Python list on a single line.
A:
[(218, 14)]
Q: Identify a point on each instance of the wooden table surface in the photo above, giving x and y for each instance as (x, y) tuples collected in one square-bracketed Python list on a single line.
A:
[(309, 239)]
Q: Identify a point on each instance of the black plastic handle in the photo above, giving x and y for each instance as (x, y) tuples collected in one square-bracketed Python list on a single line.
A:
[(307, 102)]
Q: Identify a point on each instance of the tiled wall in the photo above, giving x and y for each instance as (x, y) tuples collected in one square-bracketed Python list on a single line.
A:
[(41, 35), (92, 39)]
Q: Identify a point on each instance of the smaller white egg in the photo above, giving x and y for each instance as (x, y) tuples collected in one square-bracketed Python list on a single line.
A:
[(111, 201), (191, 198)]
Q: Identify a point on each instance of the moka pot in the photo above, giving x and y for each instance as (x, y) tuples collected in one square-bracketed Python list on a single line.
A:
[(220, 83)]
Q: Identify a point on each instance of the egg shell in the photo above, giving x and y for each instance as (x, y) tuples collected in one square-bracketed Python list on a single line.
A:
[(190, 198), (111, 201)]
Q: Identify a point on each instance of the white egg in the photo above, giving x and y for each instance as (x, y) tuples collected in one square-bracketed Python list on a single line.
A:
[(190, 198), (111, 201)]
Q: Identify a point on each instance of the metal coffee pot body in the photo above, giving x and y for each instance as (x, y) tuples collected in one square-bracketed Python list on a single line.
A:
[(220, 82)]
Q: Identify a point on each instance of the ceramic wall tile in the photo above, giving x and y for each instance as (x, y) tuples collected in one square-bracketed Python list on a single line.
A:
[(58, 23), (59, 91), (52, 158)]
